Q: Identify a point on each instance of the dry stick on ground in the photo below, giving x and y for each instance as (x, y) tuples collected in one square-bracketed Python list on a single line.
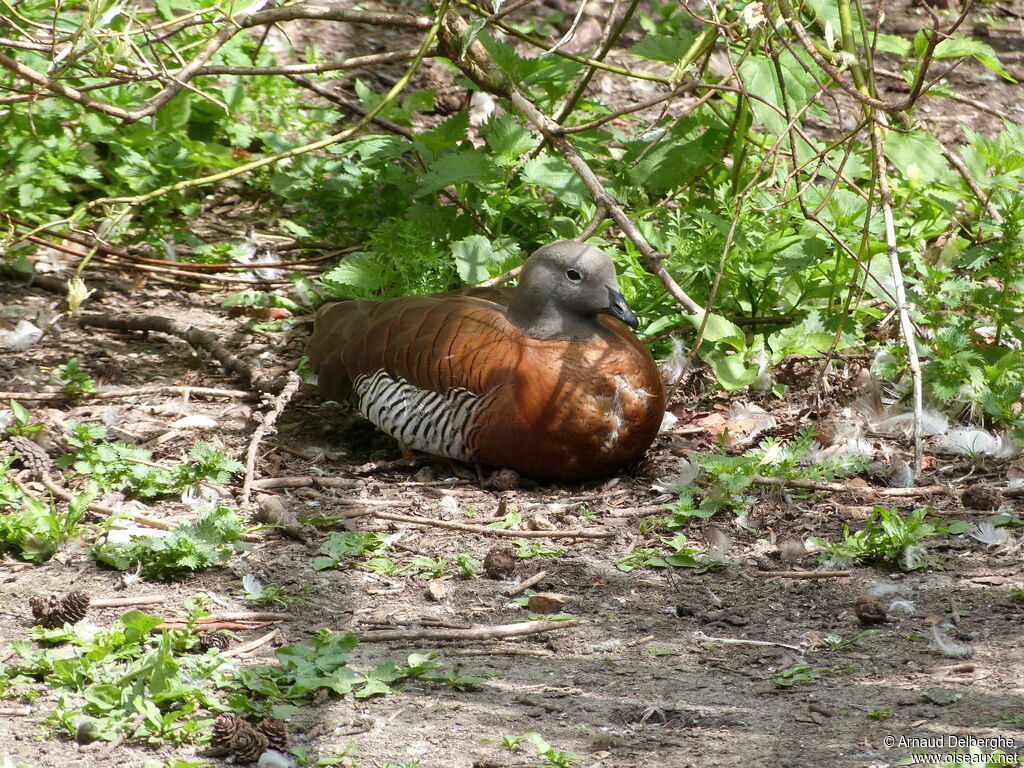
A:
[(488, 632), (110, 748), (238, 650), (805, 574), (818, 485), (266, 426), (116, 394), (572, 534), (121, 602), (199, 339), (518, 589), (701, 637), (62, 493)]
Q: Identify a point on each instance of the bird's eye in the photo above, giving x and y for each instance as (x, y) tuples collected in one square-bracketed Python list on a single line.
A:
[(573, 275)]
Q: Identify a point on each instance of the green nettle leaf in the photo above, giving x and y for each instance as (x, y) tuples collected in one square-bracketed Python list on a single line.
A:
[(894, 44), (461, 166), (920, 159), (959, 45), (476, 255), (556, 176), (506, 138), (677, 158), (514, 65), (722, 329), (443, 137), (358, 270), (663, 47)]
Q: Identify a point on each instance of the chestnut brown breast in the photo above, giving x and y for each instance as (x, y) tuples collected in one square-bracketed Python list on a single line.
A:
[(571, 396)]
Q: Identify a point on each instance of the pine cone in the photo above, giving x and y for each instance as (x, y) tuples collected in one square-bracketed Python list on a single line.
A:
[(46, 610), (225, 727), (73, 606), (217, 640), (248, 744), (276, 732), (33, 457)]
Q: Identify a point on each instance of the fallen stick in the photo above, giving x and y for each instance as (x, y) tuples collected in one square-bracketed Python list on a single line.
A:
[(252, 645), (246, 616), (805, 574), (490, 632), (571, 534), (121, 602), (701, 637), (518, 589), (116, 394), (266, 426), (199, 339), (817, 485), (210, 626), (499, 652)]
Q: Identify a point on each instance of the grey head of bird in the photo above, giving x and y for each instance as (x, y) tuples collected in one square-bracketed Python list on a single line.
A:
[(562, 289)]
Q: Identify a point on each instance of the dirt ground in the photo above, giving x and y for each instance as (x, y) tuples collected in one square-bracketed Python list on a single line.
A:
[(662, 667)]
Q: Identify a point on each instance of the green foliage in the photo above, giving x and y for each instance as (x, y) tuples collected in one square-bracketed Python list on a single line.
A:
[(118, 466), (550, 757), (726, 480), (323, 664), (675, 553), (210, 540), (23, 425), (131, 680), (350, 545), (885, 537), (32, 529), (117, 674), (73, 379), (529, 548), (797, 674)]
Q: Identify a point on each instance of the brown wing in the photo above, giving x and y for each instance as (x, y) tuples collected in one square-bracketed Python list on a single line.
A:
[(434, 342)]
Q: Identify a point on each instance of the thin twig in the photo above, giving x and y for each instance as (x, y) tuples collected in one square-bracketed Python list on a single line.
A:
[(522, 586), (491, 632), (238, 650), (806, 574), (906, 327), (121, 602), (484, 531), (700, 637), (200, 339), (117, 394), (266, 426)]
